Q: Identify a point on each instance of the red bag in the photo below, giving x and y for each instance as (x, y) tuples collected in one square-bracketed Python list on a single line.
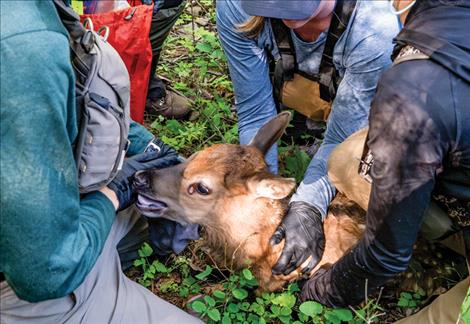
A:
[(129, 34)]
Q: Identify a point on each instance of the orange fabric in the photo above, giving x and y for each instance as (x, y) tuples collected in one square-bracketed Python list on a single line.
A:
[(303, 95)]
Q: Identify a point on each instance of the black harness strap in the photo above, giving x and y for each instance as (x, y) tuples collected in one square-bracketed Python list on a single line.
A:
[(329, 76), (286, 66)]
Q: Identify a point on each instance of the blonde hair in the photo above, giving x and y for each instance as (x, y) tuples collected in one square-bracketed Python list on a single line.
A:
[(252, 27)]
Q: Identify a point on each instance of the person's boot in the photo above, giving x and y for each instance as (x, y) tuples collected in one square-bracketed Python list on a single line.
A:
[(172, 105)]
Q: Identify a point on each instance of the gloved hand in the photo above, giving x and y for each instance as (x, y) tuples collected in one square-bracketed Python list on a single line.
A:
[(302, 229), (157, 156), (168, 236)]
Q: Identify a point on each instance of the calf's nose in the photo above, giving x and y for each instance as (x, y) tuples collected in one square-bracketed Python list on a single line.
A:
[(141, 180)]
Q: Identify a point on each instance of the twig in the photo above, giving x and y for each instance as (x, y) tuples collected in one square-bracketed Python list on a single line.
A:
[(239, 246)]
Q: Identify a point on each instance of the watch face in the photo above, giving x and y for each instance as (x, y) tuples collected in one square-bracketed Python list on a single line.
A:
[(152, 147)]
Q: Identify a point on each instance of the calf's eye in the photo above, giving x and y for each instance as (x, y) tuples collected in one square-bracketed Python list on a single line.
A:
[(199, 188)]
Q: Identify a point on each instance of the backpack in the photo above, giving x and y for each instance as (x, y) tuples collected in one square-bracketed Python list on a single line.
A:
[(102, 101)]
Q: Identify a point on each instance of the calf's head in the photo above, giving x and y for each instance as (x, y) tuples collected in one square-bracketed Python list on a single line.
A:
[(214, 183)]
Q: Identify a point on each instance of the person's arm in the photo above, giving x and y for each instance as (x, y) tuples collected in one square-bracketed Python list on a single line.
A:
[(364, 60), (249, 72), (50, 237), (139, 138), (408, 150)]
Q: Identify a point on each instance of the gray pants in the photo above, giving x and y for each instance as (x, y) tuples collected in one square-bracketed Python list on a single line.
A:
[(106, 295)]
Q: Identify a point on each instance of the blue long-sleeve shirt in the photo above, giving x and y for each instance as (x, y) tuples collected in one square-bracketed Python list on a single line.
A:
[(50, 238), (360, 56)]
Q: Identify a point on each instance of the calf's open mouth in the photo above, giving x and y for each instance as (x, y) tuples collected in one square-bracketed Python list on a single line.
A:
[(149, 205)]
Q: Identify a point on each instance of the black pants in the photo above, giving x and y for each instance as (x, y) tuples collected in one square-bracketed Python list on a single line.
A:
[(162, 22)]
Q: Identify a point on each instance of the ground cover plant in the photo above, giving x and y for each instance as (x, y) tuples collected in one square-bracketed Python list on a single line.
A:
[(194, 63)]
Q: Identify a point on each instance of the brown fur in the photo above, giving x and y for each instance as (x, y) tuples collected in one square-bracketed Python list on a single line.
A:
[(239, 223), (245, 204)]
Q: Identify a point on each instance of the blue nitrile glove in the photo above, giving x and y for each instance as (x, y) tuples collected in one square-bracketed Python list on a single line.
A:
[(159, 158), (168, 236)]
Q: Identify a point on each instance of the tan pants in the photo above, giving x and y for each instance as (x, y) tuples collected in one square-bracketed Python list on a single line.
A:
[(343, 166)]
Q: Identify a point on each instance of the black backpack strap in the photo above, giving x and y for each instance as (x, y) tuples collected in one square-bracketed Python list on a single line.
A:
[(329, 76), (286, 65)]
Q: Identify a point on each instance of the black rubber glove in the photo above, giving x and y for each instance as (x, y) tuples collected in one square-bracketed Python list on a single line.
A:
[(302, 229), (158, 155)]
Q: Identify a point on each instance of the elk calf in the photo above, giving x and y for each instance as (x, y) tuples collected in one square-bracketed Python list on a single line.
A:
[(229, 190)]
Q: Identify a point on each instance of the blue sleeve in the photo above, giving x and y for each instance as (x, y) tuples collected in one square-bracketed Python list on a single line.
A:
[(249, 71), (139, 137), (363, 62), (50, 238)]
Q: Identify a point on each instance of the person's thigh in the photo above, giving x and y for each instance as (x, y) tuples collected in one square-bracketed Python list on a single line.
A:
[(106, 295)]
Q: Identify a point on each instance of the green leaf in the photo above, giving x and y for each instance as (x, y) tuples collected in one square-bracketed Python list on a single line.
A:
[(184, 292), (214, 314), (311, 308), (203, 275), (145, 250), (343, 314), (247, 274), (209, 301), (204, 47), (285, 311), (240, 293), (160, 267), (138, 262), (198, 306), (406, 295), (218, 294), (276, 310), (403, 302), (257, 309), (285, 299), (226, 319), (232, 308), (293, 287)]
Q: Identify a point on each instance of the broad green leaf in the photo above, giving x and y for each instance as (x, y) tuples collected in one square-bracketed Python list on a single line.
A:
[(160, 267), (343, 314), (240, 293), (285, 311), (285, 299), (138, 262), (406, 295), (247, 274), (311, 308), (403, 302), (226, 319), (218, 294), (203, 275), (198, 306), (209, 301), (214, 314), (232, 308), (204, 47), (145, 250)]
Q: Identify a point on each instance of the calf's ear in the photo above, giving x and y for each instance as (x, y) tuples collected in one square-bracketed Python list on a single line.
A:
[(271, 132), (271, 186)]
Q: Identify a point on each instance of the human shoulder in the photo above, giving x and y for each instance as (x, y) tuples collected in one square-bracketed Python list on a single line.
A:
[(28, 17), (373, 19)]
